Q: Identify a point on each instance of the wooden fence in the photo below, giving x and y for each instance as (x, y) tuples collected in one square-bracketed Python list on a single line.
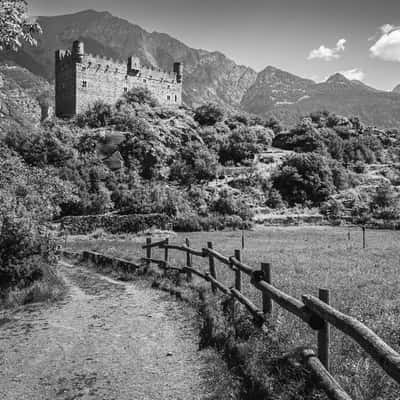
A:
[(316, 312)]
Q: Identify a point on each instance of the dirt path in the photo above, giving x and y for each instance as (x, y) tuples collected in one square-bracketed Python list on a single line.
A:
[(106, 340)]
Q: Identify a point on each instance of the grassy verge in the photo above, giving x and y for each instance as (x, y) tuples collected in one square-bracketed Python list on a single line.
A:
[(364, 283), (50, 287)]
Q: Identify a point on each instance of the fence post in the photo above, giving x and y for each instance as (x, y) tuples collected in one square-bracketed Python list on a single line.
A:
[(238, 274), (188, 261), (166, 251), (364, 243), (266, 299), (243, 241), (148, 252), (212, 267), (324, 333)]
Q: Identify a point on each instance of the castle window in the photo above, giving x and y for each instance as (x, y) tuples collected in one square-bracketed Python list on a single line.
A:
[(84, 84), (125, 89), (176, 98), (168, 97)]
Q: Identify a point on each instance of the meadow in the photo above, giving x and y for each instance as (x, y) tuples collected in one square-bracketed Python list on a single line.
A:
[(364, 283)]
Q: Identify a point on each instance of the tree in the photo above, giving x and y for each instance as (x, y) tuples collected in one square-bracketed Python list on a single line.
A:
[(304, 177), (138, 96), (196, 164), (14, 25), (97, 115), (208, 114), (242, 144)]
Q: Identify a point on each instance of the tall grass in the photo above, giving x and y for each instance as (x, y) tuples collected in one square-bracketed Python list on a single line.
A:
[(50, 287)]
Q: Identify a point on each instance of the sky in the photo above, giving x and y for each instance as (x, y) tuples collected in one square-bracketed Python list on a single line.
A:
[(310, 38)]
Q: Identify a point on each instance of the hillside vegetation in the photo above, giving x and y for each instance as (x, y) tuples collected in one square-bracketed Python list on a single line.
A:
[(204, 168)]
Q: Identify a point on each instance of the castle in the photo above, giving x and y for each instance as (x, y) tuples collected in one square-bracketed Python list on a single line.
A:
[(81, 79)]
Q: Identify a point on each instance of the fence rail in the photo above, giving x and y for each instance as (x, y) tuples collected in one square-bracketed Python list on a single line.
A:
[(316, 312)]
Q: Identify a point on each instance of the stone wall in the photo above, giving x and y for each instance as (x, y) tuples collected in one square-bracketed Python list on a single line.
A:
[(82, 225)]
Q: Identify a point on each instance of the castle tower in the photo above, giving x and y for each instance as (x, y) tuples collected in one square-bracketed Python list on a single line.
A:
[(133, 65), (78, 51), (178, 69)]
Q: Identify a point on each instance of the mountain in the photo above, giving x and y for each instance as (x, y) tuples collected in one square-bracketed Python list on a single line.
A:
[(274, 87), (288, 97), (209, 76), (396, 89)]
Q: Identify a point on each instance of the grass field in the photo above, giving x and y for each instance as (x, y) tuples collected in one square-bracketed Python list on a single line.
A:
[(364, 283)]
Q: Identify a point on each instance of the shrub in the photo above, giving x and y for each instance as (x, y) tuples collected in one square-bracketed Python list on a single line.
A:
[(302, 139), (226, 204), (304, 177), (196, 164), (274, 199), (365, 148), (194, 223), (139, 96), (359, 167), (333, 209), (141, 150), (97, 115), (242, 144), (39, 148), (24, 252), (215, 137), (384, 197), (208, 114)]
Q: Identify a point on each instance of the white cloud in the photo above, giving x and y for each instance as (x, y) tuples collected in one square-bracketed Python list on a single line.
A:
[(387, 47), (326, 53), (387, 28), (354, 74)]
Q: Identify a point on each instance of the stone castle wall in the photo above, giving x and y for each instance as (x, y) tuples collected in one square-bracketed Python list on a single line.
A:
[(81, 79)]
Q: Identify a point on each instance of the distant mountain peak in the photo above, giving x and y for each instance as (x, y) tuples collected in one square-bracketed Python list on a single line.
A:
[(396, 89), (338, 78)]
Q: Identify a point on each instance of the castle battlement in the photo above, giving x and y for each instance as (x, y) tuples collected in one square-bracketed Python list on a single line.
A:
[(83, 78)]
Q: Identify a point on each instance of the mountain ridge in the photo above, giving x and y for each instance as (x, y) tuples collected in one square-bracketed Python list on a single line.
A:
[(209, 76)]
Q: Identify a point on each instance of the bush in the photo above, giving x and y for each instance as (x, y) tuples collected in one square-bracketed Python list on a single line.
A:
[(226, 204), (196, 164), (243, 144), (142, 151), (333, 209), (24, 252), (155, 198), (194, 223), (274, 200), (96, 116), (304, 138), (363, 148), (40, 148), (304, 178), (384, 197), (138, 96), (208, 114)]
